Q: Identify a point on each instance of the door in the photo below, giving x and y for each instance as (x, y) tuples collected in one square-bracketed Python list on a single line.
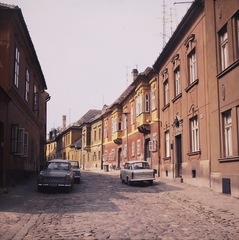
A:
[(120, 163), (178, 156), (146, 149)]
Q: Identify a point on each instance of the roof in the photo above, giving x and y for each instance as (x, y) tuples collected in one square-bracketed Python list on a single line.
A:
[(87, 117), (58, 160), (13, 8)]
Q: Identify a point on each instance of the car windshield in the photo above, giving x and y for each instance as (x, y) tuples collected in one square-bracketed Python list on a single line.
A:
[(140, 165), (57, 166), (75, 164)]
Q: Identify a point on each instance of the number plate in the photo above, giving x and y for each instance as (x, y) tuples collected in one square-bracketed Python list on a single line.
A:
[(53, 185)]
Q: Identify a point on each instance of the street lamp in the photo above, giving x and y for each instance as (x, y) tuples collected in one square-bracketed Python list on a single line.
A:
[(127, 145)]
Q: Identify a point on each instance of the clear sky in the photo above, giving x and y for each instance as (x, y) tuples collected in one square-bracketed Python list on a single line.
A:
[(88, 48)]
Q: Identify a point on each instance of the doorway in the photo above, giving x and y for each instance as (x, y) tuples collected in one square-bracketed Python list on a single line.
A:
[(178, 162), (120, 163)]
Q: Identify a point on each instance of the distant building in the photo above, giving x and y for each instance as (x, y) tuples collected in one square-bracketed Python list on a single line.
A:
[(23, 100)]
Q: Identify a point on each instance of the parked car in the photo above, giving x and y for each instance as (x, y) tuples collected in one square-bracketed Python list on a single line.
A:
[(76, 170), (56, 173), (137, 171)]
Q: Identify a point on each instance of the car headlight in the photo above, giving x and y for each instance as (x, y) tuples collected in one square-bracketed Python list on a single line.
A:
[(41, 175), (68, 177)]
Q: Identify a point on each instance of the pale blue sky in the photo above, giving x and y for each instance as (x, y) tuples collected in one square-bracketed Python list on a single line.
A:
[(87, 48)]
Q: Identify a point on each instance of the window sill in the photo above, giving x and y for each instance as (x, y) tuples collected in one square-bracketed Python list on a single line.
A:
[(194, 153), (228, 69), (166, 158), (166, 106), (192, 85), (228, 159), (177, 97)]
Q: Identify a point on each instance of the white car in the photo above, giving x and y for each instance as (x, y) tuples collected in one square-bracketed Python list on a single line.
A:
[(137, 171)]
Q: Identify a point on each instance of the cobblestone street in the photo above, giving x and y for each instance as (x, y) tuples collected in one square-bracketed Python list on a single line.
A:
[(101, 207)]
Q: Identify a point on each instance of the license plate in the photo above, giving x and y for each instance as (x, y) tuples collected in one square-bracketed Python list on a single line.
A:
[(53, 185)]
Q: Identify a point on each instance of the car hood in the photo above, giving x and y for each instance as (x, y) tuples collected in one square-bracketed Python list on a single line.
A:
[(54, 173)]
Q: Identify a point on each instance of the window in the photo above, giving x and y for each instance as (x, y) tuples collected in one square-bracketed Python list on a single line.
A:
[(146, 102), (194, 134), (98, 155), (167, 144), (114, 126), (132, 115), (139, 105), (19, 141), (94, 135), (125, 151), (227, 125), (105, 131), (133, 149), (166, 93), (224, 49), (99, 133), (16, 67), (237, 33), (27, 86), (192, 66), (177, 82), (120, 124), (138, 147), (153, 100), (35, 100)]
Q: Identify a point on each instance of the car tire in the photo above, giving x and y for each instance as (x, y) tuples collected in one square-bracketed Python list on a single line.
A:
[(151, 182), (122, 180), (39, 188), (128, 182)]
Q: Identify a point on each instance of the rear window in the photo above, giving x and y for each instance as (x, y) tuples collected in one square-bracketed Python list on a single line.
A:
[(57, 166)]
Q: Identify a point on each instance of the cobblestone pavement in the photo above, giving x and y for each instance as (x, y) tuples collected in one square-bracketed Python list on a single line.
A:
[(101, 207)]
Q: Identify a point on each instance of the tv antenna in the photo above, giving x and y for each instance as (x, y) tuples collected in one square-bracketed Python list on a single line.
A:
[(127, 74)]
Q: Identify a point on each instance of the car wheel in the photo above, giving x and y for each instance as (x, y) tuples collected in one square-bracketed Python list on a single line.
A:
[(151, 182), (39, 188), (128, 182), (122, 180)]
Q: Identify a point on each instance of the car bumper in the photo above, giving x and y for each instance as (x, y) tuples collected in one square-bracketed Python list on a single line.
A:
[(54, 184), (141, 179)]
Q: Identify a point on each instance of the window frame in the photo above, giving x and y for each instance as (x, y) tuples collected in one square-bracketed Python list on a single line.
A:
[(192, 65), (16, 66), (194, 130), (227, 134), (224, 53)]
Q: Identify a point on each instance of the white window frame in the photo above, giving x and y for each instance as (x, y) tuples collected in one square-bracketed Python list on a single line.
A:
[(166, 92), (224, 49), (125, 151), (192, 66), (167, 144), (138, 105), (105, 131), (227, 125), (133, 149), (153, 99), (177, 81), (138, 147), (132, 115), (194, 134), (17, 67)]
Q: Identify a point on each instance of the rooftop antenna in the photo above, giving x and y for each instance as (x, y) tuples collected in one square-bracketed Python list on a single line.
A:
[(164, 41), (127, 67)]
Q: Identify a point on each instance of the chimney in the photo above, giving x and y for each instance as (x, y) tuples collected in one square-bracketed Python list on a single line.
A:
[(134, 74), (63, 122)]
